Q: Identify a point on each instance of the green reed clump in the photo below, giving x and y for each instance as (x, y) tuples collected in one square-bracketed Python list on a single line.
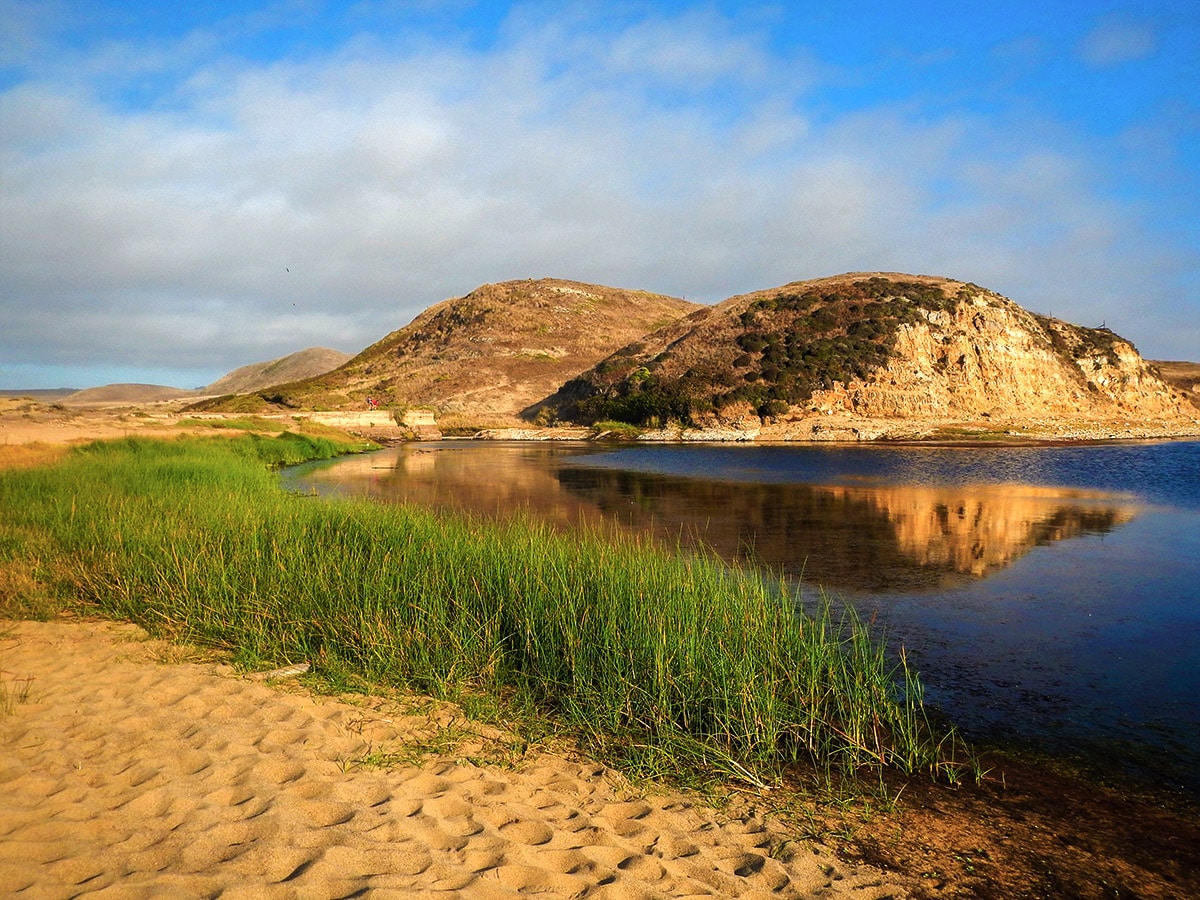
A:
[(245, 423), (645, 652)]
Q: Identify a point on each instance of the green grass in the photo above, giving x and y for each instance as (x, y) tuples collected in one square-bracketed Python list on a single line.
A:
[(246, 423), (616, 431), (665, 662)]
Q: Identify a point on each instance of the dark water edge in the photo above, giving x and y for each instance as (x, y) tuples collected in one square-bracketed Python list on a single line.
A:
[(1049, 596), (1090, 650)]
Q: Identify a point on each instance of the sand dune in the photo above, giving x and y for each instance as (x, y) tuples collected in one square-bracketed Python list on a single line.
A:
[(133, 778)]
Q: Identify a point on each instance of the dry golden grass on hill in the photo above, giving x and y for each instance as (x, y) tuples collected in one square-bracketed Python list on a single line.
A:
[(1183, 375), (483, 357)]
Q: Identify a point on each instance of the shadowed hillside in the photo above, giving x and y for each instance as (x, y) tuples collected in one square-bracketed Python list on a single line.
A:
[(1185, 376)]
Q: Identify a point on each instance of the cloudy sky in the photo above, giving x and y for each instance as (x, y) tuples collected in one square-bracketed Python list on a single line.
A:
[(191, 187)]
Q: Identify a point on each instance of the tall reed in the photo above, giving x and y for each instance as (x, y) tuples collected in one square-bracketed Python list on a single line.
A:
[(679, 657)]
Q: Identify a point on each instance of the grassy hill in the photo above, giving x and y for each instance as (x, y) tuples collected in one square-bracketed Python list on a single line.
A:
[(483, 357), (767, 350), (293, 367)]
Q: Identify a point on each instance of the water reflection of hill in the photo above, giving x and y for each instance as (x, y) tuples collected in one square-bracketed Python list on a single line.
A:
[(885, 538), (499, 481)]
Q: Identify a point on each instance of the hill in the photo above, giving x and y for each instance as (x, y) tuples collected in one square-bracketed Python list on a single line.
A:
[(870, 355), (293, 367), (1185, 376), (302, 364), (128, 393), (45, 395), (485, 356)]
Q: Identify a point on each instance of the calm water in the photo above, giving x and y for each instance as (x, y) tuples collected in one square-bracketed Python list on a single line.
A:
[(1048, 595)]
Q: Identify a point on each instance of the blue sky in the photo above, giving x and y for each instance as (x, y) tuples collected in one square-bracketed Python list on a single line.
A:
[(188, 188)]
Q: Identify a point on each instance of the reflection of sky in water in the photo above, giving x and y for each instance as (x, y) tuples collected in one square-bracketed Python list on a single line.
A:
[(1165, 473), (1044, 592)]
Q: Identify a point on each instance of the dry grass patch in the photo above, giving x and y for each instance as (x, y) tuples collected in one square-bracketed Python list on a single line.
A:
[(36, 453)]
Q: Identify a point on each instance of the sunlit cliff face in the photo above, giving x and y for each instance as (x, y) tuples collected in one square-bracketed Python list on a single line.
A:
[(860, 537), (990, 357)]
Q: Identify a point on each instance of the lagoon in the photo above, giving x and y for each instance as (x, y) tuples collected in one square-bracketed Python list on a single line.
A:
[(1049, 595)]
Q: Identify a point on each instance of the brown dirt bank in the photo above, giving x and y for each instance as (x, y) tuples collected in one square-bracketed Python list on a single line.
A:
[(1031, 831), (26, 420)]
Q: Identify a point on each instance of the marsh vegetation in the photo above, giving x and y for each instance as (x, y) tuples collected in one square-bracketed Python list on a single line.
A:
[(662, 661)]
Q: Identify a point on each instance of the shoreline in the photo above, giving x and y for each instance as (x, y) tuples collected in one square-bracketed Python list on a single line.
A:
[(845, 432), (28, 420)]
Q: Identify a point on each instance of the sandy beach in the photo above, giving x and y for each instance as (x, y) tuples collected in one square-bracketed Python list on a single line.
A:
[(131, 767), (127, 772)]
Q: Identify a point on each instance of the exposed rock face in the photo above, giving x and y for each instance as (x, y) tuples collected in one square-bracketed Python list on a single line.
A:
[(862, 357), (989, 359), (990, 355)]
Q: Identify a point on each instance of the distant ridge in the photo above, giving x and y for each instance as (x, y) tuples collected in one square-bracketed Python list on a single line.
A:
[(44, 394), (301, 364), (293, 367), (128, 393)]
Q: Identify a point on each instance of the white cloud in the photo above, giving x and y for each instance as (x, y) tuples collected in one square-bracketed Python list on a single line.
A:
[(1117, 40), (387, 181)]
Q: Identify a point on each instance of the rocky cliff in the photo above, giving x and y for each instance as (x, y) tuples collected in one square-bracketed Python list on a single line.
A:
[(879, 355)]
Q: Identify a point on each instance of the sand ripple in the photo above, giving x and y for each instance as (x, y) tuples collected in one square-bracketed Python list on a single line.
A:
[(126, 778)]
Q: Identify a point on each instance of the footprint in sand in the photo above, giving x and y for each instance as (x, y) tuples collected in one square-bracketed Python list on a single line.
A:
[(325, 813), (282, 772), (533, 880), (362, 793), (429, 832), (530, 833), (402, 858), (483, 859)]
